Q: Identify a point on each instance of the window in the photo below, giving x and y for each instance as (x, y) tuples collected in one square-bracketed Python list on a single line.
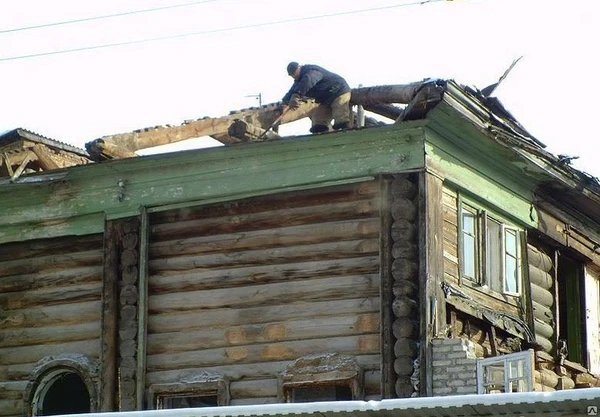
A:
[(506, 373), (490, 251), (321, 377), (204, 390)]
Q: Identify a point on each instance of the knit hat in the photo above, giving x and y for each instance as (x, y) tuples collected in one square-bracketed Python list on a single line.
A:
[(292, 67)]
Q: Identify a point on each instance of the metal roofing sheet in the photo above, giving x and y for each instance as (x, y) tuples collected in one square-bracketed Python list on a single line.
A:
[(576, 402)]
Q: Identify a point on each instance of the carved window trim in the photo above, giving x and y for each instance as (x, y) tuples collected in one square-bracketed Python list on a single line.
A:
[(202, 386), (327, 370)]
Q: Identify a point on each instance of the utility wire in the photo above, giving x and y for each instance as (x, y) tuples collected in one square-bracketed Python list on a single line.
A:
[(107, 16), (212, 31)]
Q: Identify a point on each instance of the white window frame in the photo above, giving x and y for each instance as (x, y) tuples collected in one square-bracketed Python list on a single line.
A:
[(525, 357), (482, 274)]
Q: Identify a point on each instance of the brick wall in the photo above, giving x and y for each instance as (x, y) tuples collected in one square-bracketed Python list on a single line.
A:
[(454, 367)]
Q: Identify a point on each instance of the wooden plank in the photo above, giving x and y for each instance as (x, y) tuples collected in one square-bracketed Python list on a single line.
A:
[(201, 319), (38, 249), (309, 290), (312, 328), (142, 329), (351, 345)]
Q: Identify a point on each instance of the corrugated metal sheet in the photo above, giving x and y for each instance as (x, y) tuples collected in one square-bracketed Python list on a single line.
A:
[(571, 403)]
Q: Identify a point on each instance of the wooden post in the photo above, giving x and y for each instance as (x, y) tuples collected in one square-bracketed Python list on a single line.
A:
[(142, 308), (108, 371), (431, 254)]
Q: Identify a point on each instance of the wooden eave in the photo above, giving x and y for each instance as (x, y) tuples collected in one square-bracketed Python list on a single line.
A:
[(81, 198)]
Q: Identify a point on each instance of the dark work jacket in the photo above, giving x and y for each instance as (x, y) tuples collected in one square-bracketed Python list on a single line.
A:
[(318, 83)]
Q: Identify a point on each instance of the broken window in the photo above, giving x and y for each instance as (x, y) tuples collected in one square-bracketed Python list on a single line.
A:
[(490, 250), (203, 390), (506, 373)]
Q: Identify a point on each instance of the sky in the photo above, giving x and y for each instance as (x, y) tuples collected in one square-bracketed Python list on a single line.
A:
[(192, 59)]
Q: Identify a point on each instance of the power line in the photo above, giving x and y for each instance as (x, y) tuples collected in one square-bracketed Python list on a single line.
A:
[(107, 16), (213, 31)]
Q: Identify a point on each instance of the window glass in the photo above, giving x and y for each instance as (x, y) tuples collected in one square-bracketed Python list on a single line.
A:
[(187, 402), (469, 245), (505, 373), (322, 393), (492, 255), (511, 261)]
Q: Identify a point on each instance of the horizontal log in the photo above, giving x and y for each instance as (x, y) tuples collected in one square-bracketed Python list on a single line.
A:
[(245, 371), (542, 388), (51, 296), (404, 307), (540, 278), (404, 365), (28, 354), (253, 388), (12, 390), (543, 313), (247, 132), (315, 252), (401, 94), (59, 315), (406, 347), (253, 401), (386, 110), (403, 208), (313, 328), (11, 408), (403, 230), (544, 343), (587, 380), (405, 328), (402, 187), (241, 222), (543, 329), (203, 279), (350, 345), (50, 334), (279, 293), (51, 278), (267, 238), (52, 262), (35, 249), (202, 319), (546, 377), (538, 259), (541, 296), (15, 372)]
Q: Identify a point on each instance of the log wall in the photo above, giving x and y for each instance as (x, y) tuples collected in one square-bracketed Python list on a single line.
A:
[(405, 274), (50, 305), (542, 299), (242, 289)]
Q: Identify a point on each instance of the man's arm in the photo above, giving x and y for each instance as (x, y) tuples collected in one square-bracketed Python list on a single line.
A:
[(308, 81)]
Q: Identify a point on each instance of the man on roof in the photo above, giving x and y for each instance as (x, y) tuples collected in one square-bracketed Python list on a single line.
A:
[(330, 90)]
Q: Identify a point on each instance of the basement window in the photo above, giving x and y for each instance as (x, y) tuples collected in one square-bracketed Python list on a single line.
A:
[(326, 377), (506, 373), (490, 250), (203, 391)]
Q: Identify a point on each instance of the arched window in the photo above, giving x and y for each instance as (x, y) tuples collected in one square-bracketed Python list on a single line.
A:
[(62, 386)]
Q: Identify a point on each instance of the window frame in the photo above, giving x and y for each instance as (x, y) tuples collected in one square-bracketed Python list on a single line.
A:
[(528, 358), (202, 387), (484, 279)]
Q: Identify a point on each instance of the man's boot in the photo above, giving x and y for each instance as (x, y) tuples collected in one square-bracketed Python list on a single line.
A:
[(319, 129), (341, 126)]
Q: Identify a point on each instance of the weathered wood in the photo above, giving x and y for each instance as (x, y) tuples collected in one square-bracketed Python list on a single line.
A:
[(247, 132), (27, 354), (546, 377), (202, 319), (199, 279), (44, 157), (541, 296), (50, 315), (265, 238), (386, 110), (540, 278), (264, 220), (316, 289), (50, 334), (542, 313), (51, 296), (351, 345), (319, 251), (314, 328), (50, 278), (55, 262), (538, 259), (124, 145)]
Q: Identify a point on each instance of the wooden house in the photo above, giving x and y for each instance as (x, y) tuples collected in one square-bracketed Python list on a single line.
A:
[(447, 253)]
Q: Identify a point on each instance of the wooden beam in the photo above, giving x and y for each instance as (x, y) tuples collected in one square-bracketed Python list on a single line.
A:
[(44, 157), (247, 132), (126, 144)]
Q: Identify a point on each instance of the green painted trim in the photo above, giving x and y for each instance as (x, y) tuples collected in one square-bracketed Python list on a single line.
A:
[(119, 188), (474, 177), (79, 225)]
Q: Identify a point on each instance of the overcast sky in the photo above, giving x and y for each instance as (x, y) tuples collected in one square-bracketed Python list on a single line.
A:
[(219, 54)]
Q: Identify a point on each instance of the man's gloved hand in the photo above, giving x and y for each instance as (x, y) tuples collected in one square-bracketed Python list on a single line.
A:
[(294, 102)]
